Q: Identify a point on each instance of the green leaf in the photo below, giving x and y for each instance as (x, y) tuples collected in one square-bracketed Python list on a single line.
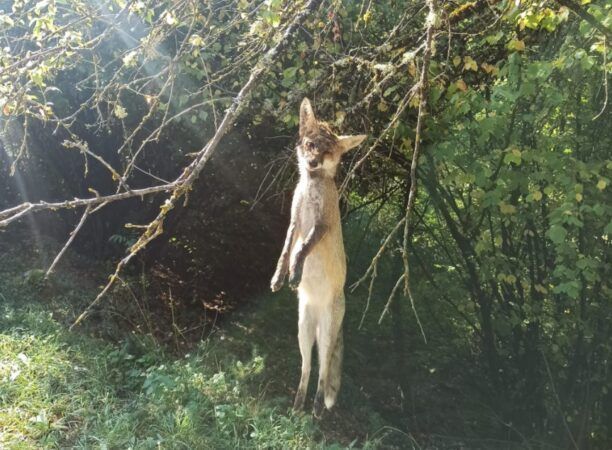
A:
[(557, 234), (513, 157), (506, 208)]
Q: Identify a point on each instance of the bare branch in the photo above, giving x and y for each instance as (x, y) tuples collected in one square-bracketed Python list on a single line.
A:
[(605, 70), (423, 92), (400, 109), (374, 263), (587, 17), (10, 215), (421, 88), (69, 241), (398, 283), (185, 181)]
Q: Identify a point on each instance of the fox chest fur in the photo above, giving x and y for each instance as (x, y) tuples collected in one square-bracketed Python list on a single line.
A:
[(324, 270)]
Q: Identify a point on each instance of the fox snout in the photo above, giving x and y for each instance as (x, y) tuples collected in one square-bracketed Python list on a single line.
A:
[(313, 163)]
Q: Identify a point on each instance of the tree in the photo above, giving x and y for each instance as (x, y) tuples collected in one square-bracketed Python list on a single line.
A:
[(499, 111)]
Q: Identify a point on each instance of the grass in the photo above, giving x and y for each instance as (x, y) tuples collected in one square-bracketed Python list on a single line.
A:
[(104, 387), (60, 389), (128, 378), (64, 390)]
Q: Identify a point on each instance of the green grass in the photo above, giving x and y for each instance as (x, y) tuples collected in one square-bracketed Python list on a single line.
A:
[(106, 387), (130, 378), (61, 389)]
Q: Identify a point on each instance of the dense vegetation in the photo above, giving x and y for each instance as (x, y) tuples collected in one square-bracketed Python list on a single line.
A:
[(508, 241)]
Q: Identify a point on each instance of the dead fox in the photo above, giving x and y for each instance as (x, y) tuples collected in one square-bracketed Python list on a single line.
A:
[(313, 255)]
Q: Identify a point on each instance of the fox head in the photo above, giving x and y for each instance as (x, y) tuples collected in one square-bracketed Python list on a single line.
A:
[(319, 150)]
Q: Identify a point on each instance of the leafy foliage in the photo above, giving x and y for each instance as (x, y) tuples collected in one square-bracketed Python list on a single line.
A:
[(513, 219)]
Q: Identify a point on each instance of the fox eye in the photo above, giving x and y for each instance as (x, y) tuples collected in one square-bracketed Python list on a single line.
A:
[(310, 145)]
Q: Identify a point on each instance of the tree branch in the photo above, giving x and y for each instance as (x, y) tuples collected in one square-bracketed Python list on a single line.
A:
[(588, 18), (69, 241), (184, 182), (423, 92), (10, 215)]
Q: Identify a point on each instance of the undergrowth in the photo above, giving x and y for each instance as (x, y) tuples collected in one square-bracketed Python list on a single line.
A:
[(62, 389), (129, 378)]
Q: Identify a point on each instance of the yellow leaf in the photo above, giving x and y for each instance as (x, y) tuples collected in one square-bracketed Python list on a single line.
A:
[(461, 85), (382, 106), (412, 68), (120, 112), (469, 64), (170, 19), (578, 197), (516, 44), (196, 40), (489, 68), (601, 185), (537, 196), (456, 61), (541, 289), (505, 208)]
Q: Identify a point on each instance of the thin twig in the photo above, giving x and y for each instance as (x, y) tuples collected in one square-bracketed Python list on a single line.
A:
[(69, 241), (558, 400), (605, 69), (400, 109), (398, 283), (423, 92), (587, 17), (16, 212), (185, 181)]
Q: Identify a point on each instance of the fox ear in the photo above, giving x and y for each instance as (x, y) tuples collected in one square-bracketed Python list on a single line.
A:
[(308, 120), (348, 142)]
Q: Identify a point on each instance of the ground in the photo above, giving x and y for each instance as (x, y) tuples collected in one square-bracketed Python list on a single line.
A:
[(105, 385), (134, 376)]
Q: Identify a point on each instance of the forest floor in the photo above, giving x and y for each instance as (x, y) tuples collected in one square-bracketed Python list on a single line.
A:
[(108, 386), (113, 384)]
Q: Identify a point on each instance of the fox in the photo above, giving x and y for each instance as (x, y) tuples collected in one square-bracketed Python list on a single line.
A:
[(313, 256)]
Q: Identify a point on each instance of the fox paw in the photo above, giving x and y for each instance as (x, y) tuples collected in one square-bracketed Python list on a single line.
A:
[(277, 282), (318, 406), (298, 404), (295, 277)]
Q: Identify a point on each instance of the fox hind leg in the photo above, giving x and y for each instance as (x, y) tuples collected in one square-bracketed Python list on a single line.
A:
[(334, 373), (328, 339), (306, 338)]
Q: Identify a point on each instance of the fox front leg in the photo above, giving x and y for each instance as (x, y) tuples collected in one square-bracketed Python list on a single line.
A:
[(296, 269), (283, 262)]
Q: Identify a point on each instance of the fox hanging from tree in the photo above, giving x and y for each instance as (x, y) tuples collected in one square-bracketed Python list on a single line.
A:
[(313, 256)]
